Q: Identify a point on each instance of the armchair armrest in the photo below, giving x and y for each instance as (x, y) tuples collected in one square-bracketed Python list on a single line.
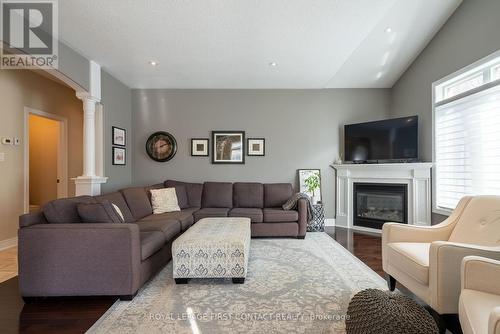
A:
[(445, 260), (481, 274), (494, 321), (302, 209), (79, 259)]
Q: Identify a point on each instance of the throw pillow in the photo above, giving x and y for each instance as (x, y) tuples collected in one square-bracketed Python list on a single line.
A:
[(103, 212), (119, 212), (164, 200)]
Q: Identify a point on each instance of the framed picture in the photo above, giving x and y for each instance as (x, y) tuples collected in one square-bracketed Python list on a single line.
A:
[(310, 183), (119, 136), (228, 147), (199, 147), (256, 147), (119, 156), (161, 146)]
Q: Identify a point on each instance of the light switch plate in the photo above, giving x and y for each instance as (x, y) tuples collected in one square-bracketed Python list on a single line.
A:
[(7, 141), (16, 141), (2, 157)]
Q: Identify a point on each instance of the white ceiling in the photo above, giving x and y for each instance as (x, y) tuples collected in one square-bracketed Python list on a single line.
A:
[(230, 43)]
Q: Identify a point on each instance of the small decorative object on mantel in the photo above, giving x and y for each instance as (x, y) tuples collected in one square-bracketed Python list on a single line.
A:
[(338, 161), (199, 147), (310, 183), (256, 147), (119, 156), (119, 136), (161, 146), (228, 147)]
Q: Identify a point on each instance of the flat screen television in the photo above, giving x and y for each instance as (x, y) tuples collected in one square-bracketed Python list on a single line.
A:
[(391, 140)]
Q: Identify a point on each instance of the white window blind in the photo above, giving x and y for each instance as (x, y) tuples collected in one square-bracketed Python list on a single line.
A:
[(467, 147)]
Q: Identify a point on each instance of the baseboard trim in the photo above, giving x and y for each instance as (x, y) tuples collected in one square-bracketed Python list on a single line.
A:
[(8, 243), (330, 222)]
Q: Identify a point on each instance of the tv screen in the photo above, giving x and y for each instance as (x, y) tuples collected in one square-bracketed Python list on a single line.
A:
[(387, 140)]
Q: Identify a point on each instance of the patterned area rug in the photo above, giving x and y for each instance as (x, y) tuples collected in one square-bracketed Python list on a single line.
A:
[(292, 286)]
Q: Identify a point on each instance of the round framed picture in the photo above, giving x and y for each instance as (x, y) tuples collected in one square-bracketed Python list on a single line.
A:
[(161, 146)]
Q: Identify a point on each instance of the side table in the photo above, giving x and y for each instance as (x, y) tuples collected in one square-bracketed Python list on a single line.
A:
[(317, 224)]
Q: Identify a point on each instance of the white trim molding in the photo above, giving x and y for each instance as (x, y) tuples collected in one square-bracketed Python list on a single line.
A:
[(8, 243), (417, 177)]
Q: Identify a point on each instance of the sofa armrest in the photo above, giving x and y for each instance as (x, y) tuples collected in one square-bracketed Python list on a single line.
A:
[(79, 259), (481, 274), (445, 259), (302, 209)]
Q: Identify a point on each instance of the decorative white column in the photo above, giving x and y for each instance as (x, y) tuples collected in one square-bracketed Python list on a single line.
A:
[(90, 183), (88, 135)]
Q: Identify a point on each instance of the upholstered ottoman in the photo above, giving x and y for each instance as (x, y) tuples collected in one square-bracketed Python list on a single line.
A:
[(213, 248)]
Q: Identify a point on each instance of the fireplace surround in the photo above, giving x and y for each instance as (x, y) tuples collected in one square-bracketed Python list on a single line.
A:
[(416, 177)]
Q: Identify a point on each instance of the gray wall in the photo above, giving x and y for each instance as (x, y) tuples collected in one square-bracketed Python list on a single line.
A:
[(116, 98), (471, 33), (301, 128), (74, 65)]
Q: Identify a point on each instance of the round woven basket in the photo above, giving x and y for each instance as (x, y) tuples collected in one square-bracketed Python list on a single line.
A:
[(383, 312)]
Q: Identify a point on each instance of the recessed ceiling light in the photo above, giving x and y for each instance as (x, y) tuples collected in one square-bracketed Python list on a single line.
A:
[(153, 63), (379, 75), (388, 30), (273, 64)]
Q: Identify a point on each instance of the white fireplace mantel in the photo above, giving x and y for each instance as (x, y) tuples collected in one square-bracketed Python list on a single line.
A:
[(417, 177)]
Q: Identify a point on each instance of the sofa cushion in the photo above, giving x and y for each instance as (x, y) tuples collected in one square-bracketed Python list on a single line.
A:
[(185, 217), (276, 194), (64, 210), (182, 198), (118, 199), (102, 212), (276, 215), (210, 212), (169, 227), (193, 191), (248, 195), (151, 242), (255, 214), (217, 195), (138, 201), (411, 258)]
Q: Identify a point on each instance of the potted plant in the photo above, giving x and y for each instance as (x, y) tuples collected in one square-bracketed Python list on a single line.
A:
[(312, 183)]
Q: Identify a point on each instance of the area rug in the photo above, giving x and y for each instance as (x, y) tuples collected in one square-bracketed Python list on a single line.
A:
[(292, 286)]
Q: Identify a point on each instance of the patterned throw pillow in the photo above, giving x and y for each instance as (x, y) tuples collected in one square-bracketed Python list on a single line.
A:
[(164, 200)]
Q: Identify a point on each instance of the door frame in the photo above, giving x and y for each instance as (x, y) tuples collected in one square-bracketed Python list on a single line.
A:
[(62, 154)]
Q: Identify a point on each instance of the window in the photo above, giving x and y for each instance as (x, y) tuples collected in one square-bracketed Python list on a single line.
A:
[(466, 135)]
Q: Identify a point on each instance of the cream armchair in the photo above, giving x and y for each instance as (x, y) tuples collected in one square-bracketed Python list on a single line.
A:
[(427, 260), (479, 306)]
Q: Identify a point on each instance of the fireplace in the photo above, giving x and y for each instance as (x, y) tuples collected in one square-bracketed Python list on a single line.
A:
[(377, 203)]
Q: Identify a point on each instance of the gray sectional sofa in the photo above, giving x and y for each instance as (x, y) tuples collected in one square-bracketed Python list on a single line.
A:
[(61, 255)]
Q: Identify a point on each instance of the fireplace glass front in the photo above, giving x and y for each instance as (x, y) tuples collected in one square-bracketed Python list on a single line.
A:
[(375, 204)]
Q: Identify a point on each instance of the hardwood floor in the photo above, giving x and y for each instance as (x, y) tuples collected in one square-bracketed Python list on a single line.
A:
[(8, 264), (76, 315)]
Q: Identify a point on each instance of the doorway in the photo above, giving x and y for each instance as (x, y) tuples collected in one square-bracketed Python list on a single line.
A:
[(45, 158)]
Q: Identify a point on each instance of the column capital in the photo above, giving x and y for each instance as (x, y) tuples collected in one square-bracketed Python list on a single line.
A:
[(86, 96)]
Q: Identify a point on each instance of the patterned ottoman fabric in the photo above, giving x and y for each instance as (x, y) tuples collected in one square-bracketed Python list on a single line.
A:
[(213, 248)]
